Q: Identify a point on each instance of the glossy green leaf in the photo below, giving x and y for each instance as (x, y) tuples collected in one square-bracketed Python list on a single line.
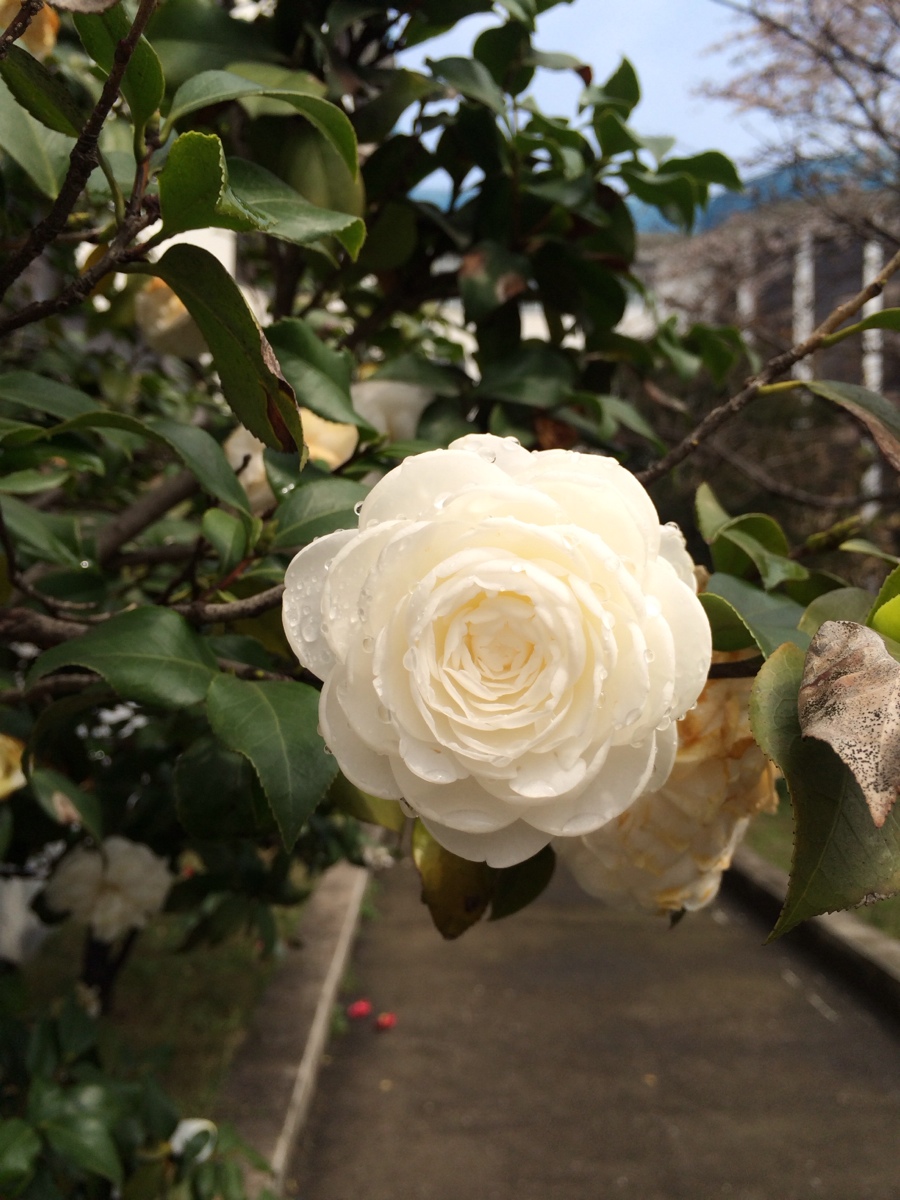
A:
[(41, 93), (248, 371), (887, 318), (283, 213), (30, 481), (202, 455), (42, 153), (88, 1143), (863, 546), (536, 374), (36, 530), (711, 516), (456, 891), (888, 591), (217, 794), (623, 85), (227, 536), (318, 374), (193, 187), (40, 394), (490, 275), (274, 726), (143, 84), (315, 509), (710, 166), (46, 782), (217, 87), (755, 541), (886, 620), (840, 858), (880, 416), (516, 887), (769, 619), (471, 79), (19, 1150), (150, 655), (842, 604)]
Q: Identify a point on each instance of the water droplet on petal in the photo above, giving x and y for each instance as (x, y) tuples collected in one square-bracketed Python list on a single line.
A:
[(357, 507), (368, 644)]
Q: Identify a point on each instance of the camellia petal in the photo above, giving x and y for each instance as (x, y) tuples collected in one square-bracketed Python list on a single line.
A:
[(505, 643)]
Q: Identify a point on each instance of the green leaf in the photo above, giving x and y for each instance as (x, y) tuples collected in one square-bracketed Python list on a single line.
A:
[(516, 887), (248, 371), (227, 536), (622, 89), (35, 530), (88, 1143), (217, 87), (316, 372), (769, 619), (40, 394), (143, 84), (283, 213), (217, 794), (842, 604), (193, 187), (31, 480), (150, 655), (756, 541), (274, 726), (614, 136), (536, 374), (42, 153), (315, 509), (45, 782), (471, 79), (202, 455), (880, 416), (41, 93), (888, 591), (674, 195), (711, 516), (887, 318), (19, 1149), (371, 809), (489, 276), (456, 891), (709, 167), (862, 546), (840, 857)]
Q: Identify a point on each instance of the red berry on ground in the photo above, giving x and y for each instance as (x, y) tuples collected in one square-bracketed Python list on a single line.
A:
[(359, 1009), (385, 1020)]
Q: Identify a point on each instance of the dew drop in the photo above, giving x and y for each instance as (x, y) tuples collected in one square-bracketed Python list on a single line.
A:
[(328, 751), (383, 714), (357, 507), (649, 656), (309, 631), (368, 644)]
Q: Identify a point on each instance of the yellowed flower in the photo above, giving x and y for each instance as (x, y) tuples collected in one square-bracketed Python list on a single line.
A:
[(166, 323), (11, 775), (329, 442), (668, 851), (40, 36)]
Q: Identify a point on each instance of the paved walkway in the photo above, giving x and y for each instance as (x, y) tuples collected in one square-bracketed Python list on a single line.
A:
[(568, 1053)]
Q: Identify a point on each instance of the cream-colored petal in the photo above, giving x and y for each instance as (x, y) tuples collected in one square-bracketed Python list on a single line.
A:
[(304, 583), (504, 848), (364, 767)]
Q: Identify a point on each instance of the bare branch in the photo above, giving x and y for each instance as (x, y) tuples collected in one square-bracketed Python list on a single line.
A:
[(27, 625), (18, 25), (776, 366), (235, 610), (84, 156), (149, 507), (51, 685)]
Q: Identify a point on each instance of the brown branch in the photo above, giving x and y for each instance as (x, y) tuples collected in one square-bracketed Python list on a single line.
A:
[(744, 668), (83, 159), (18, 25), (79, 289), (149, 507), (51, 685), (776, 366), (793, 494), (235, 610), (27, 625)]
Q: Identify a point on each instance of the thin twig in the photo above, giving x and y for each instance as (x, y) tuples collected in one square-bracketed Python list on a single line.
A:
[(26, 625), (18, 25), (234, 610), (51, 685), (84, 156), (148, 507), (773, 368)]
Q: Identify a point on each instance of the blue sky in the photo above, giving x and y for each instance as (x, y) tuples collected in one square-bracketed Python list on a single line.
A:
[(665, 39)]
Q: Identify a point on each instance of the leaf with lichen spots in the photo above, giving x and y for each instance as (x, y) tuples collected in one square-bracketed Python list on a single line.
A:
[(850, 698)]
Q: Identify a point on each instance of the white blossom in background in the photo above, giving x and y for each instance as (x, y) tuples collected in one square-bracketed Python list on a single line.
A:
[(165, 322), (391, 407), (21, 930), (11, 774), (505, 642), (668, 851), (185, 1132), (113, 889)]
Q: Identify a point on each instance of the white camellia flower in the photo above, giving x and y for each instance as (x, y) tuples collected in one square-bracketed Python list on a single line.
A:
[(505, 643), (668, 851), (113, 889)]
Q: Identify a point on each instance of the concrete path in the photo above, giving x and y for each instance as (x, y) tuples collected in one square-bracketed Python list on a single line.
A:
[(569, 1053)]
